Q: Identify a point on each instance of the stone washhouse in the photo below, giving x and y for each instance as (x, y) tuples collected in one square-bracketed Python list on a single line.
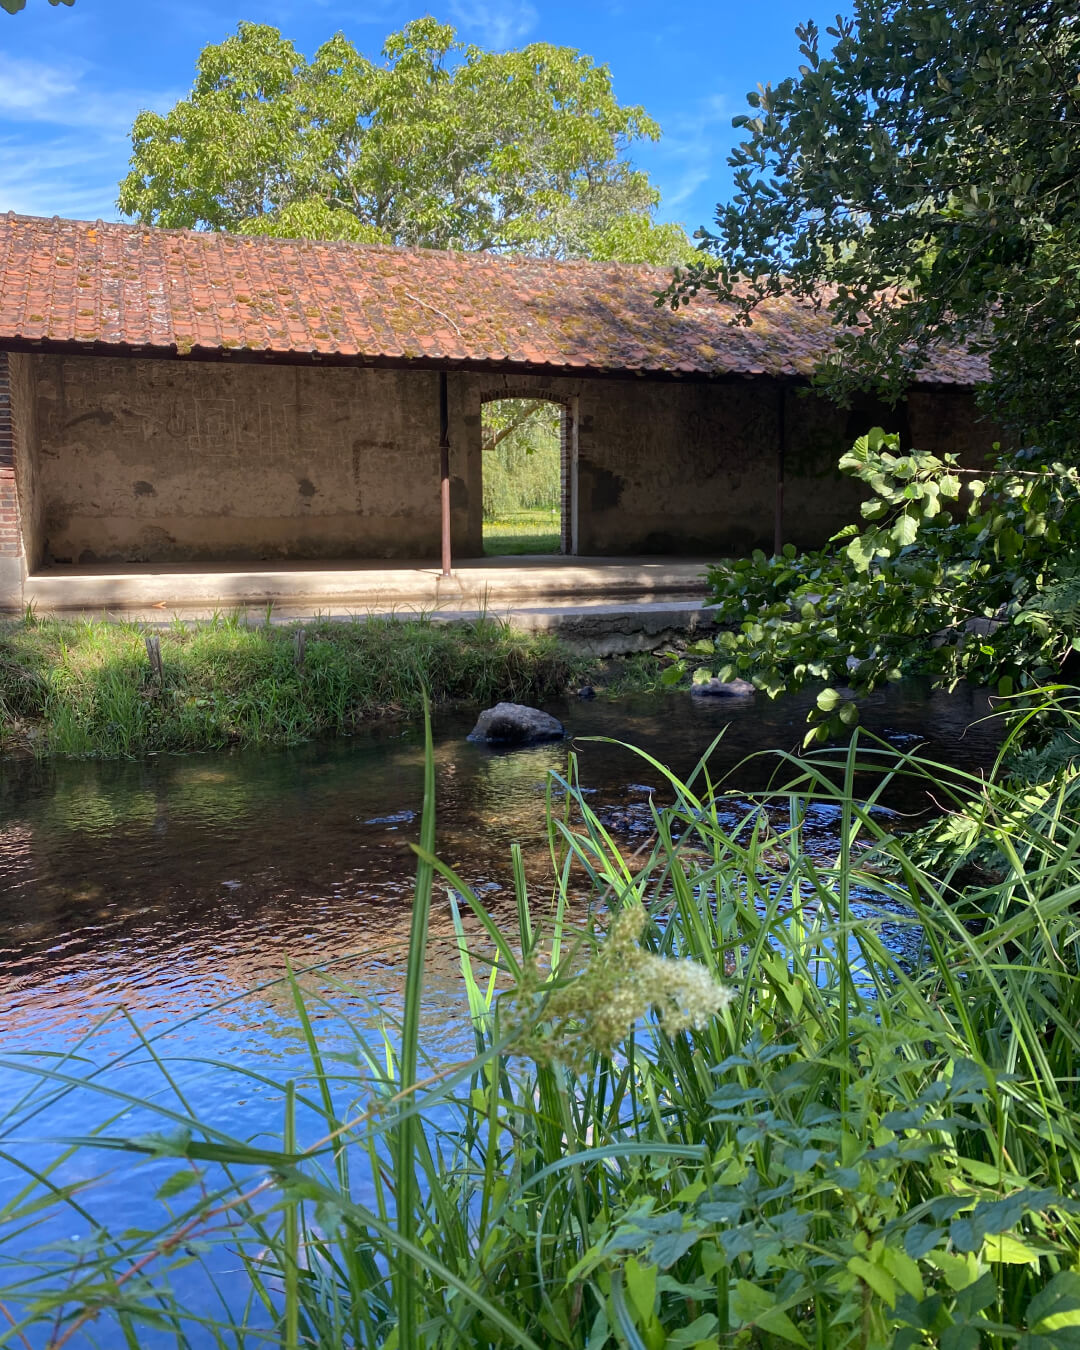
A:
[(195, 401)]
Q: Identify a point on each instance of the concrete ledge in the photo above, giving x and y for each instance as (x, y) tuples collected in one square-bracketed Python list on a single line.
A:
[(482, 584)]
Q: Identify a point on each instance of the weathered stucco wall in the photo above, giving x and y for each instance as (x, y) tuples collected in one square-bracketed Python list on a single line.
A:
[(161, 461), (948, 422), (27, 472), (170, 461), (685, 468)]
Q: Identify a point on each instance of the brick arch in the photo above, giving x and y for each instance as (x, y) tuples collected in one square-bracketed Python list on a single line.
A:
[(531, 392), (567, 452)]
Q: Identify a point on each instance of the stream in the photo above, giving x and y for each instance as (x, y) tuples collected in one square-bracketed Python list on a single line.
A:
[(180, 885)]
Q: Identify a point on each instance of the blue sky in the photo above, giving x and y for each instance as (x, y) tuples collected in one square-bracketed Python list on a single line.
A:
[(72, 80)]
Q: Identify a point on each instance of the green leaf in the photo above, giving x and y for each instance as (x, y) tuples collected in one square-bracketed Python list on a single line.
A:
[(1009, 1250), (1056, 1307), (879, 1280), (828, 699), (863, 550), (641, 1287), (753, 1306), (177, 1183)]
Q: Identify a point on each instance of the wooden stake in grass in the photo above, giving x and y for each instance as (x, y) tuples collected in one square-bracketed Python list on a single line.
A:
[(301, 648), (153, 652)]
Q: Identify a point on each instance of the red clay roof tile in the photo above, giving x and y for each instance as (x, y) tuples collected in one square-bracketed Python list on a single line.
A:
[(108, 285)]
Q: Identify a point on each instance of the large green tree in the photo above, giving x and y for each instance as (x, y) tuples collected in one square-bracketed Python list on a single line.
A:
[(438, 144), (922, 179)]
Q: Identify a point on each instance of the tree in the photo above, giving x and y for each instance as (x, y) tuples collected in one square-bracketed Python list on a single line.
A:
[(14, 6), (441, 145), (923, 181)]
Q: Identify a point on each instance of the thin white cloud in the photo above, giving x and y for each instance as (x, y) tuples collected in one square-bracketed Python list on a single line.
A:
[(497, 23), (66, 96), (33, 91), (61, 177), (64, 143), (692, 151)]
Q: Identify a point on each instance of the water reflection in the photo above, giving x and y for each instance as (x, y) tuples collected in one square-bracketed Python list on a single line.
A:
[(173, 882), (182, 886)]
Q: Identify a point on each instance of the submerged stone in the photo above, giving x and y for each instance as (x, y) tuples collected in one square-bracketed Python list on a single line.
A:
[(516, 724), (722, 689)]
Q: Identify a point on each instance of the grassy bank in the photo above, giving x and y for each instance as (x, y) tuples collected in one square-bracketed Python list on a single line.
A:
[(851, 1150), (89, 688)]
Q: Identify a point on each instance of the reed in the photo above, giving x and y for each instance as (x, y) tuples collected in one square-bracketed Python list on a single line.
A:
[(854, 1149)]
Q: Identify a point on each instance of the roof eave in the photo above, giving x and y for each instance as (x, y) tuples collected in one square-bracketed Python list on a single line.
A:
[(241, 355)]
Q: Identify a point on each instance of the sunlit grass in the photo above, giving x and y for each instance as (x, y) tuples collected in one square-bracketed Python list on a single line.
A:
[(521, 532), (88, 687)]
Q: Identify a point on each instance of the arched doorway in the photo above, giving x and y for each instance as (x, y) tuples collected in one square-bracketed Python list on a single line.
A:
[(527, 475)]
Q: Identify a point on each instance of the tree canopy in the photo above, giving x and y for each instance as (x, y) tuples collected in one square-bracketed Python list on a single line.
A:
[(922, 179), (440, 144), (14, 6)]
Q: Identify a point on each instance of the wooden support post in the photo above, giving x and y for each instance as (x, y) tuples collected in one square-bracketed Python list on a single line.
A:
[(300, 648), (444, 470), (781, 446)]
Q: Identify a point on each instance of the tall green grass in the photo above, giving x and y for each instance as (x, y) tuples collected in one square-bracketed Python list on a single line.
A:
[(875, 1143), (88, 688)]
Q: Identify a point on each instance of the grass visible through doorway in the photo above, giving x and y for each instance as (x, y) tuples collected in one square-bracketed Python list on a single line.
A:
[(522, 473), (519, 532)]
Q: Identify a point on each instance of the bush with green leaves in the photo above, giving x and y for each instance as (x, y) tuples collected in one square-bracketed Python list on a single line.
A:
[(952, 575)]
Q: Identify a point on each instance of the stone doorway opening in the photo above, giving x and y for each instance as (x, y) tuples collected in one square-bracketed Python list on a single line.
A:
[(527, 473)]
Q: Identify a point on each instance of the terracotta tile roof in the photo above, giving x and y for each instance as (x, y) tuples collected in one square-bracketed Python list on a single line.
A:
[(101, 285)]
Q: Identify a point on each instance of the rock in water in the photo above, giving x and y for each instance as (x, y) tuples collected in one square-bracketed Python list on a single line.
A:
[(516, 724), (722, 689)]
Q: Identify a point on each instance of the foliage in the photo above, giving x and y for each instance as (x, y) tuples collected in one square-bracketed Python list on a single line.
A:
[(87, 687), (13, 6), (522, 465), (858, 1151), (925, 172), (442, 145), (627, 238), (953, 575)]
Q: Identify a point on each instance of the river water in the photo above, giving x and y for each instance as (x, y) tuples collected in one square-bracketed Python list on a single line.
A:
[(171, 886)]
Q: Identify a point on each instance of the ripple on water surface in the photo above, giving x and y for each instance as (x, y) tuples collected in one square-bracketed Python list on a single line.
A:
[(173, 882), (178, 887)]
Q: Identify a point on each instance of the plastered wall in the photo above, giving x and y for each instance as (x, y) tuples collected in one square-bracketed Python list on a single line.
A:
[(173, 461), (151, 460), (690, 468), (27, 459)]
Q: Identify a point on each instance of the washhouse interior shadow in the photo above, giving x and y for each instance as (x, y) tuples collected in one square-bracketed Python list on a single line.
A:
[(525, 485)]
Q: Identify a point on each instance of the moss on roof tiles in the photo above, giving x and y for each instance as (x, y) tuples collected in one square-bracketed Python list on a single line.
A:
[(379, 301)]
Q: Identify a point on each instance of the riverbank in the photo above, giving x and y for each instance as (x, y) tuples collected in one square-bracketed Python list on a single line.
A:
[(92, 687)]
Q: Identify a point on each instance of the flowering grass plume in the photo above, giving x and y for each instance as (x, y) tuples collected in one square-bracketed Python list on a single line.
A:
[(593, 1012)]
